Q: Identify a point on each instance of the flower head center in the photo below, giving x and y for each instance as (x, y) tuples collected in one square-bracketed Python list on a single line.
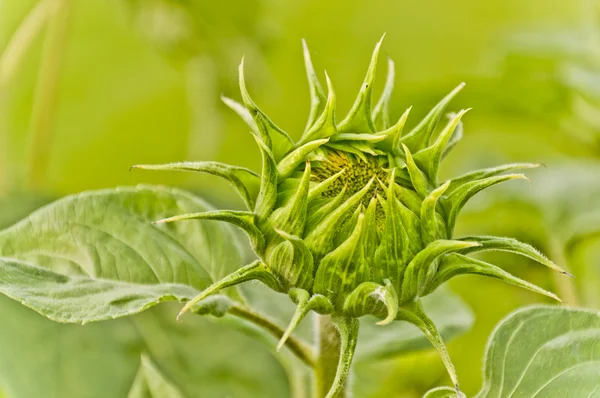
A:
[(357, 173)]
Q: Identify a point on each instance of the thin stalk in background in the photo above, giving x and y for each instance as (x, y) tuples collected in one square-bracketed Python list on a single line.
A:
[(10, 61), (44, 105), (566, 288)]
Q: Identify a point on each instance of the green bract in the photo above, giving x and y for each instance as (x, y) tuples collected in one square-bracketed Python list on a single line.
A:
[(352, 219)]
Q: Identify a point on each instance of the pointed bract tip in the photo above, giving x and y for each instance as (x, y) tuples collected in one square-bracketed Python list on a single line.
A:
[(329, 84), (279, 345), (568, 274), (382, 37), (555, 297), (384, 322), (183, 311), (137, 166)]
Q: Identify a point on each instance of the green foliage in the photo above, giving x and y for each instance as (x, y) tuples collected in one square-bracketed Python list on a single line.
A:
[(96, 256), (206, 38), (101, 359), (540, 351), (451, 316), (544, 351), (150, 383)]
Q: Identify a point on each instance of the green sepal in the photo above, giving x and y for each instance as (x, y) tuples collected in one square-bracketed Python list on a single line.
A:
[(489, 172), (371, 138), (217, 305), (381, 118), (409, 197), (456, 136), (410, 221), (461, 195), (347, 147), (291, 161), (374, 299), (242, 112), (359, 117), (419, 137), (267, 196), (305, 303), (242, 219), (245, 181), (275, 138), (510, 245), (291, 218), (315, 217), (413, 313), (316, 191), (343, 268), (348, 329), (430, 230), (391, 142), (428, 159), (318, 239), (423, 266), (317, 95), (390, 256), (347, 227), (419, 180), (324, 126), (292, 262), (254, 271), (364, 147), (370, 240), (457, 264)]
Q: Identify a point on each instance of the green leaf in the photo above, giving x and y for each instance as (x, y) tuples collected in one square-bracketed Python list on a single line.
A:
[(451, 316), (544, 351), (96, 255), (151, 383), (100, 360)]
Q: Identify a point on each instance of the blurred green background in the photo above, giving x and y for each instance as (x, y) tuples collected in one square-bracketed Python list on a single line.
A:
[(90, 87)]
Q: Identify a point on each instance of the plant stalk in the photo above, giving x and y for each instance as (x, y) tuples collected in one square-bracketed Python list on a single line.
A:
[(46, 94), (10, 63), (328, 355), (298, 348)]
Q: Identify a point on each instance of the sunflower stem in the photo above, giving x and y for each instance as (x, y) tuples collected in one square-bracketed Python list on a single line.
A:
[(328, 355)]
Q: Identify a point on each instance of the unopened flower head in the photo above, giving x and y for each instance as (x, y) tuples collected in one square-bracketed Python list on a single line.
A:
[(353, 219)]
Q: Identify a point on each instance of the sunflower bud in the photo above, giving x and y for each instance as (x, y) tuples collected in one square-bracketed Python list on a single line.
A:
[(352, 219)]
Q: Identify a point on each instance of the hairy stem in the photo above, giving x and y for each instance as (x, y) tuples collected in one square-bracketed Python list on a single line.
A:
[(298, 348), (46, 93), (328, 355)]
